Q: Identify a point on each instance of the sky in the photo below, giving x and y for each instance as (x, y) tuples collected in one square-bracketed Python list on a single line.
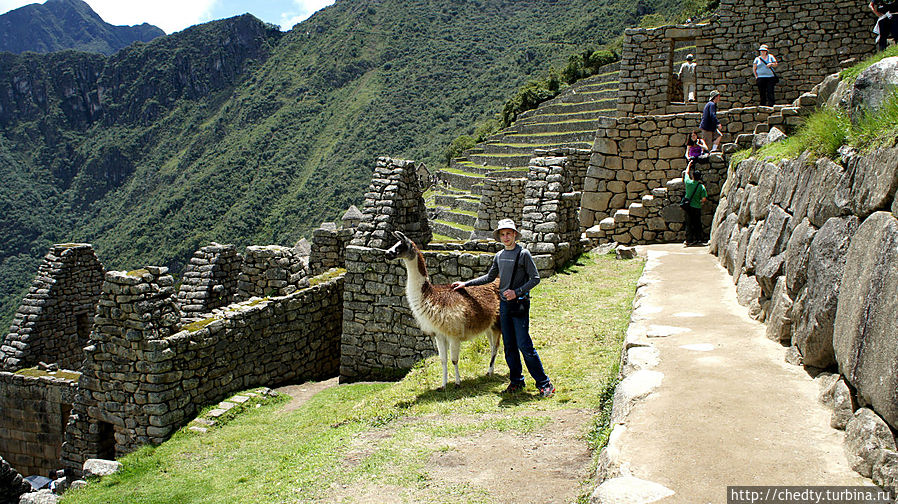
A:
[(175, 15)]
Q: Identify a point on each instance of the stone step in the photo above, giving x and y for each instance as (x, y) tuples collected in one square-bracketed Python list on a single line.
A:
[(566, 137), (621, 216), (463, 164), (501, 159), (447, 214), (562, 125), (611, 84), (607, 224), (463, 202), (585, 96), (460, 181), (569, 108), (529, 148), (450, 231), (637, 210)]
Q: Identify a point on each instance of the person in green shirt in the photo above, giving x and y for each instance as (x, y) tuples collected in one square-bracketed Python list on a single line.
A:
[(697, 195)]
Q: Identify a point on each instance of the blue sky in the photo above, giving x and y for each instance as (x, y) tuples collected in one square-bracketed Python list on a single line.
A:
[(175, 15)]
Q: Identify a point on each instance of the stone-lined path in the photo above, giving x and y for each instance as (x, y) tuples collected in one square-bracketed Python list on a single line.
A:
[(722, 406)]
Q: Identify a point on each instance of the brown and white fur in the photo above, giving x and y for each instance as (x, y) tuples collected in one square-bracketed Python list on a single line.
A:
[(448, 316)]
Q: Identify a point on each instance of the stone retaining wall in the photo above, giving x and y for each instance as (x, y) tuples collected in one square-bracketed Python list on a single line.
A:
[(53, 322), (209, 281), (500, 199), (632, 156), (33, 415), (813, 248), (145, 375), (550, 227), (808, 39)]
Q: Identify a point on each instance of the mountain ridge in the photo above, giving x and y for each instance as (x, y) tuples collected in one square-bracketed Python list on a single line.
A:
[(67, 24)]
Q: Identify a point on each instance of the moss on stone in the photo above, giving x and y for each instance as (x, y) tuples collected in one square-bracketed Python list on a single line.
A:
[(326, 276), (137, 273), (199, 324)]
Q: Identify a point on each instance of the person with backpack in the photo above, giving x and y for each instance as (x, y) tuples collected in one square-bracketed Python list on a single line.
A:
[(765, 75), (696, 194)]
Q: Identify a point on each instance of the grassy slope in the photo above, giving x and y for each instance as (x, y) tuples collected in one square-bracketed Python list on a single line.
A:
[(293, 143), (389, 430)]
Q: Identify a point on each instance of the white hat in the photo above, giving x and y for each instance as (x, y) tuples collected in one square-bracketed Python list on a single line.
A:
[(762, 48), (506, 224)]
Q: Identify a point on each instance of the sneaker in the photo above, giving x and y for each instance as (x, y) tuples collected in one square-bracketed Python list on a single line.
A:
[(513, 388), (547, 391)]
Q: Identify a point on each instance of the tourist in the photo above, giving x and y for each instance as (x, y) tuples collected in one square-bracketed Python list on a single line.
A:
[(517, 275), (710, 126), (765, 76), (696, 148), (686, 75), (696, 194), (884, 28)]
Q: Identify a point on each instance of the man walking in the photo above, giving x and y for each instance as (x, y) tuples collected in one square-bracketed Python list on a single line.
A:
[(710, 126), (686, 75)]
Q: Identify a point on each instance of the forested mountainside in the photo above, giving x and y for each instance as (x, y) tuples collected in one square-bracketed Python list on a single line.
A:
[(234, 132), (57, 25)]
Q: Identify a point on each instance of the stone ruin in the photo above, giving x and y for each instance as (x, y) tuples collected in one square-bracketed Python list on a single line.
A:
[(209, 281), (53, 322)]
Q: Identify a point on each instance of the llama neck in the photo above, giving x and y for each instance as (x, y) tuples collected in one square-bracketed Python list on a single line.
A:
[(417, 279)]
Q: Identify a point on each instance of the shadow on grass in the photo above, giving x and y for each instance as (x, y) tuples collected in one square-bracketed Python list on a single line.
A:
[(470, 387)]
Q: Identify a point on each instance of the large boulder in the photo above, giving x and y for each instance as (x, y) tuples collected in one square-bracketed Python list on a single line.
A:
[(719, 215), (779, 320), (866, 324), (826, 88), (723, 235), (97, 468), (745, 207), (874, 181), (796, 264), (12, 484), (866, 435), (814, 312), (738, 265), (829, 192), (787, 178), (763, 193), (872, 88), (748, 293), (773, 237), (805, 172)]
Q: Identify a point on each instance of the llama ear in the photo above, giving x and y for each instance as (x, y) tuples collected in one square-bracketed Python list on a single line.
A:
[(399, 236)]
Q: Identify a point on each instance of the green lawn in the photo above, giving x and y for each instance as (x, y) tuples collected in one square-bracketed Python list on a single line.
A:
[(381, 435)]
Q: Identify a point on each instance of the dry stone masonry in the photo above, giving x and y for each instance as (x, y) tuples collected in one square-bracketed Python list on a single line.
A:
[(500, 198), (34, 410), (54, 320), (550, 227), (145, 375), (391, 205), (809, 40), (328, 245), (209, 281), (270, 270)]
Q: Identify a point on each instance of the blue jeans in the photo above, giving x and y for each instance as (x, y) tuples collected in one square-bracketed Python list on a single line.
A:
[(516, 341)]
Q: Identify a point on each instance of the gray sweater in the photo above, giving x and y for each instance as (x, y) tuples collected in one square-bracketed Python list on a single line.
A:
[(526, 277)]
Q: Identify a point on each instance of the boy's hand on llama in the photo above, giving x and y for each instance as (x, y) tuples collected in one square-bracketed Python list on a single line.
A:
[(509, 294), (457, 285)]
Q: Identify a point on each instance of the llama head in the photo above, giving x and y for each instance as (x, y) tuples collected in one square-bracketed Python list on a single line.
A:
[(403, 249)]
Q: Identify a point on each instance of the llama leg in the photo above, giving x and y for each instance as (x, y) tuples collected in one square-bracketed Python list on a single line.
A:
[(494, 348), (441, 349), (454, 346)]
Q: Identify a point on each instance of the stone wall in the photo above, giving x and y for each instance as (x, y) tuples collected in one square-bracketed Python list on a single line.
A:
[(53, 322), (328, 246), (381, 339), (270, 270), (34, 409), (632, 156), (500, 198), (12, 484), (209, 281), (145, 375), (813, 248), (808, 39), (550, 227), (393, 202)]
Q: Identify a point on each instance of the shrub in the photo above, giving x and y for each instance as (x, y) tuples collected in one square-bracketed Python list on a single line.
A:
[(459, 145)]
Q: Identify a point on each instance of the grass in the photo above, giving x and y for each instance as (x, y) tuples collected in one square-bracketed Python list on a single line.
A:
[(368, 437), (850, 74), (456, 225)]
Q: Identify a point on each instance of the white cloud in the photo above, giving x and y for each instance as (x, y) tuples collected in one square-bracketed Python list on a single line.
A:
[(304, 9), (170, 15)]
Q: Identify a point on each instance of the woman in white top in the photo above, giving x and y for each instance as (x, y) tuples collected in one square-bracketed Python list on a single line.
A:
[(762, 68)]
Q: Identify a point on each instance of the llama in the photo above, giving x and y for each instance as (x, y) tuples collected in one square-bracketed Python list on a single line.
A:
[(448, 316)]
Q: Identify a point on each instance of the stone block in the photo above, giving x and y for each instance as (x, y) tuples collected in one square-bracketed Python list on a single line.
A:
[(874, 180), (866, 435), (866, 325), (814, 312), (779, 321)]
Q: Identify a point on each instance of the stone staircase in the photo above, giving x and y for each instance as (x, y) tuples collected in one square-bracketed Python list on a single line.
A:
[(658, 217), (568, 120)]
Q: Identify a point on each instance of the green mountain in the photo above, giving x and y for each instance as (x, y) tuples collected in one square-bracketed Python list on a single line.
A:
[(67, 24), (234, 132)]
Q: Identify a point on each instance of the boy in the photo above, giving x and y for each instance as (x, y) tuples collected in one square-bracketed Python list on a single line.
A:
[(517, 275)]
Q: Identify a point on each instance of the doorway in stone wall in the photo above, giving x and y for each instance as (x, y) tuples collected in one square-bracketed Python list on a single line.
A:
[(105, 441), (83, 322), (679, 49)]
